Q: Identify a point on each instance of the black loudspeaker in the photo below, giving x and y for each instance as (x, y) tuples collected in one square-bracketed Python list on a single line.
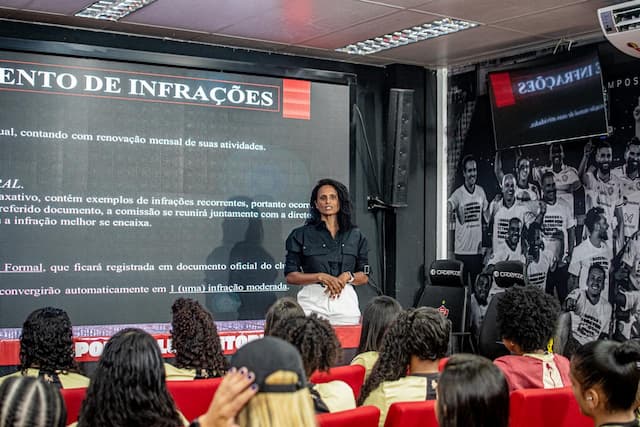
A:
[(399, 135)]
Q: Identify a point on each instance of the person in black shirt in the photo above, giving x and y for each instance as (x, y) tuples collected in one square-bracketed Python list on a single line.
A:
[(328, 255)]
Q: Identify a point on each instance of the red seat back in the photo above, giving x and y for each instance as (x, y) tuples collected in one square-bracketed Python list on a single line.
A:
[(352, 375), (412, 414), (364, 416), (193, 397), (73, 398), (546, 408)]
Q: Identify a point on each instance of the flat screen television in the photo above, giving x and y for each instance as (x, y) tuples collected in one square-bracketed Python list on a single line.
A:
[(557, 101)]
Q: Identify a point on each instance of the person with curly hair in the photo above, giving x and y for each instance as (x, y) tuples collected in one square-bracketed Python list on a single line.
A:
[(46, 349), (472, 392), (128, 387), (526, 319), (29, 402), (407, 368), (604, 377), (319, 347), (378, 315), (328, 256), (284, 308), (195, 342)]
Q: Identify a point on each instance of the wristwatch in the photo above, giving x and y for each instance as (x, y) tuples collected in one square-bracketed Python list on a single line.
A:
[(351, 277)]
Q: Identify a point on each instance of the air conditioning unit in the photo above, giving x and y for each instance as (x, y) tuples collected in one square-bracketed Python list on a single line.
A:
[(621, 26)]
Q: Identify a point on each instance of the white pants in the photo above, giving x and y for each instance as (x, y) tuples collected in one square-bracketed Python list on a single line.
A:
[(343, 310)]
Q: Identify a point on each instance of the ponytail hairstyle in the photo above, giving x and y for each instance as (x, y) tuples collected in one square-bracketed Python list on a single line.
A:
[(613, 367), (422, 332), (29, 401)]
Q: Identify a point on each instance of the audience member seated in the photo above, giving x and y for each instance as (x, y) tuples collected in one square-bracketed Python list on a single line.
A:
[(128, 386), (527, 318), (604, 377), (283, 308), (407, 369), (283, 397), (378, 315), (30, 402), (319, 347), (588, 313), (472, 392), (195, 342), (46, 349)]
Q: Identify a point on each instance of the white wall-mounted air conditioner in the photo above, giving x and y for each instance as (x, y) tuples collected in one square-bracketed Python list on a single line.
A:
[(621, 26)]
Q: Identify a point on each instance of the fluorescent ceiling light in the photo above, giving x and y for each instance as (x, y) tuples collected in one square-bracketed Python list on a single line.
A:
[(112, 10), (419, 33)]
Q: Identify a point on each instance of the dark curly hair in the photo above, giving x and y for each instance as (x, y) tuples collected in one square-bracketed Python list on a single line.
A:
[(283, 308), (344, 216), (28, 401), (527, 316), (195, 339), (421, 332), (314, 338), (128, 386), (376, 318), (46, 342)]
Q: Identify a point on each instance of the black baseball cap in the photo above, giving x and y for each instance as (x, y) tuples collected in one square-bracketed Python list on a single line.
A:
[(267, 355)]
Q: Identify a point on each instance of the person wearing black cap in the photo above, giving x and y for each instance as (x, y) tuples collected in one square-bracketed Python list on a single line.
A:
[(283, 398)]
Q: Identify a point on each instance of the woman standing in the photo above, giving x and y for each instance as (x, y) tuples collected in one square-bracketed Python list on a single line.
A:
[(328, 256)]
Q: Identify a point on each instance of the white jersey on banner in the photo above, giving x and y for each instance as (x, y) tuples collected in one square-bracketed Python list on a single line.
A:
[(501, 219), (607, 195), (557, 220), (469, 207), (537, 271), (630, 191), (584, 256), (631, 257), (565, 181), (589, 321)]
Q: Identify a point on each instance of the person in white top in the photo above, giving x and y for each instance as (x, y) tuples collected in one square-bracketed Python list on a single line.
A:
[(590, 312), (629, 177), (539, 261), (558, 227), (566, 177), (466, 208), (512, 250), (594, 250), (502, 209), (602, 188), (525, 189)]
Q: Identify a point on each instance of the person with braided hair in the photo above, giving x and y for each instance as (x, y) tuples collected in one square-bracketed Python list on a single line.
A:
[(30, 402), (319, 347), (46, 349), (604, 377), (407, 368), (195, 342)]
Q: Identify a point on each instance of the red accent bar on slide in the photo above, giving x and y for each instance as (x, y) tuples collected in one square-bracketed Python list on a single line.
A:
[(502, 89), (296, 99)]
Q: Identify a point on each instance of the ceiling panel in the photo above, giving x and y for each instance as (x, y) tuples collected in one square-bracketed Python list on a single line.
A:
[(67, 7), (199, 15), (489, 11), (366, 30), (304, 20), (455, 47), (316, 28)]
